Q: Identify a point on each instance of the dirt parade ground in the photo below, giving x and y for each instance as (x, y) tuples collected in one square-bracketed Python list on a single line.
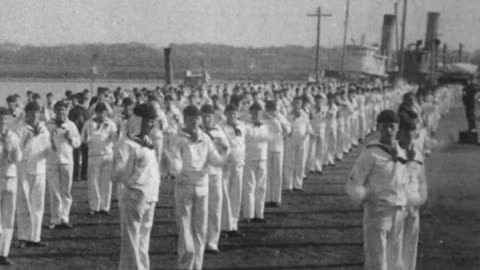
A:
[(316, 229)]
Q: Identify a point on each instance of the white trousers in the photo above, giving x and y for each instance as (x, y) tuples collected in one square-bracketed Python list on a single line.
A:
[(191, 207), (317, 152), (100, 182), (59, 177), (294, 163), (312, 143), (136, 222), (410, 239), (331, 148), (8, 194), (369, 120), (254, 188), (306, 154), (30, 206), (274, 176), (362, 127), (383, 237), (354, 130), (347, 134), (215, 199), (340, 139), (232, 195)]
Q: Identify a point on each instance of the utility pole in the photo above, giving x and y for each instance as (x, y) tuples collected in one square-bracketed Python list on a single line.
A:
[(319, 16), (402, 42), (347, 14)]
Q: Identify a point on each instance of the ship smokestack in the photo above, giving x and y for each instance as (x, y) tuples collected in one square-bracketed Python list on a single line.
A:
[(460, 52), (432, 30), (168, 65), (388, 31), (445, 49)]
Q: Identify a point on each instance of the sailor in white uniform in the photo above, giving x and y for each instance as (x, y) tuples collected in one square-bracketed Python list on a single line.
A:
[(35, 143), (416, 190), (331, 131), (64, 137), (295, 161), (318, 140), (136, 167), (100, 133), (10, 155), (377, 182), (215, 180), (236, 131), (255, 173), (279, 128), (190, 155)]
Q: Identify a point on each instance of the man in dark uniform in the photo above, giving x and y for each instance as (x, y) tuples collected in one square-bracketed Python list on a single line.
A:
[(79, 115), (469, 92)]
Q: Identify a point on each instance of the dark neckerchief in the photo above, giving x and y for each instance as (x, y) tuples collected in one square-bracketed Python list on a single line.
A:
[(296, 115), (238, 132), (36, 130), (413, 155), (144, 142), (257, 123), (99, 123), (208, 131), (59, 123), (192, 136), (392, 151)]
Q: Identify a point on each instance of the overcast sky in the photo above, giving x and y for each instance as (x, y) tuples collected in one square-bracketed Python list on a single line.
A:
[(234, 22)]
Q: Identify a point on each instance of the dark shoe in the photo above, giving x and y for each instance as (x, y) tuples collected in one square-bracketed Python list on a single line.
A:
[(36, 244), (212, 251), (246, 220), (5, 261), (54, 226), (65, 226), (268, 204), (260, 220), (319, 172), (92, 213), (224, 234), (22, 243), (298, 190), (275, 205), (236, 234), (104, 213)]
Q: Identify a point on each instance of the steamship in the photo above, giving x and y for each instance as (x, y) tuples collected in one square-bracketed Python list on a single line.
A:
[(365, 59), (372, 60)]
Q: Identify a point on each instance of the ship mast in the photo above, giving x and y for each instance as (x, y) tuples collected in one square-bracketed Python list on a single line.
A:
[(402, 41)]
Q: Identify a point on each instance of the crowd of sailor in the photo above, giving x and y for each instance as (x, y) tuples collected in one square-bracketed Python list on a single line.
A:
[(224, 147)]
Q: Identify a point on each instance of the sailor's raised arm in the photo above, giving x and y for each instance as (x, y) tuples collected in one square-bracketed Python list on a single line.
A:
[(173, 154), (355, 186), (14, 150), (123, 163), (216, 157), (73, 136)]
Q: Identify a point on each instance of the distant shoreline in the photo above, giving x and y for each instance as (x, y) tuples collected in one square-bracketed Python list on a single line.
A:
[(76, 80)]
